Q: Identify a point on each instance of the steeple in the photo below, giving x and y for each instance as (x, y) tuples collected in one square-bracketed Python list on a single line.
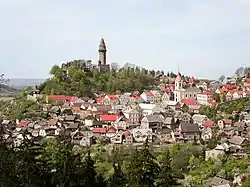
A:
[(102, 52)]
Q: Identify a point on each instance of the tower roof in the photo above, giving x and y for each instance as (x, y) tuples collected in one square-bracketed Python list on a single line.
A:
[(178, 78), (102, 43), (102, 46)]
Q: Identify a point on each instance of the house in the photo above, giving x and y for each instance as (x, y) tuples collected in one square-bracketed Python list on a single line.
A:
[(189, 131), (108, 118), (148, 97), (241, 178), (204, 97), (224, 123), (128, 137), (133, 116), (157, 96), (152, 122), (218, 150), (199, 119), (118, 138), (111, 132), (238, 141), (173, 105), (147, 109), (141, 135), (206, 134), (99, 131), (246, 119)]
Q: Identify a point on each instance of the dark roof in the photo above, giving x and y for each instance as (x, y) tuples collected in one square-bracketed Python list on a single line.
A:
[(189, 127)]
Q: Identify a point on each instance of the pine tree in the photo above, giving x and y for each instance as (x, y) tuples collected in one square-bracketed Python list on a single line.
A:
[(165, 177), (89, 171), (143, 168), (118, 179)]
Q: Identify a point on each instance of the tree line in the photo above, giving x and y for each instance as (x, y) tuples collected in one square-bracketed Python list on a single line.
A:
[(56, 162), (81, 79)]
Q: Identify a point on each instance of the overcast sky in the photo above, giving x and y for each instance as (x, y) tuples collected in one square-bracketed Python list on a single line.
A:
[(206, 38)]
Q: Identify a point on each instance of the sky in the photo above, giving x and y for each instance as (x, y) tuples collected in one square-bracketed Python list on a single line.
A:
[(205, 38)]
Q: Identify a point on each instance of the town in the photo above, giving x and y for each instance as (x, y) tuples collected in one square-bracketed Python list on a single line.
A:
[(177, 109)]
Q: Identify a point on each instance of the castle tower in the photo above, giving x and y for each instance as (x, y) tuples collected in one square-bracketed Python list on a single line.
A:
[(102, 52)]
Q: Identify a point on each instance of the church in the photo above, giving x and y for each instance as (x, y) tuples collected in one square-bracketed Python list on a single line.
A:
[(180, 93)]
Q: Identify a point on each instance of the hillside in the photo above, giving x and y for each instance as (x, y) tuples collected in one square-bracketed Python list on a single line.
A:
[(5, 89), (78, 79)]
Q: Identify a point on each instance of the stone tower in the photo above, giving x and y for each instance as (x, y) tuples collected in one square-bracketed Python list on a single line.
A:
[(102, 52)]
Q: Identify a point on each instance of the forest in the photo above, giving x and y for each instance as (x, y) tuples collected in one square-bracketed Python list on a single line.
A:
[(81, 79), (57, 162)]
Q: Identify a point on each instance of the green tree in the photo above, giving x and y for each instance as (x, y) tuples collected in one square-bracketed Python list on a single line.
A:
[(166, 177), (89, 172), (118, 179), (143, 168), (216, 97)]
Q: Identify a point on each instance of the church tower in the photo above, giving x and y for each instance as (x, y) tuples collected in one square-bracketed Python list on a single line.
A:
[(178, 91), (102, 52)]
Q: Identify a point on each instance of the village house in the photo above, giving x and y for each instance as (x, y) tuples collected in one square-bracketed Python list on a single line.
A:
[(153, 122), (148, 97), (189, 132)]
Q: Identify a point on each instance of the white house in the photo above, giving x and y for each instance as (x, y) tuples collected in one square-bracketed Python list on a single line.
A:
[(140, 135), (148, 96), (204, 97)]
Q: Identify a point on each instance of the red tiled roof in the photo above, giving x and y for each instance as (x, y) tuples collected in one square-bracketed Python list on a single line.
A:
[(137, 97), (99, 130), (108, 117), (71, 98), (148, 93), (208, 123), (247, 81), (189, 101), (99, 100), (112, 97), (111, 130), (126, 133), (57, 97), (23, 124)]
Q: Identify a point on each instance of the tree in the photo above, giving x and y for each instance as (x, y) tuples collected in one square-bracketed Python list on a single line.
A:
[(166, 177), (89, 172), (216, 97), (143, 168), (118, 179), (223, 98), (222, 78)]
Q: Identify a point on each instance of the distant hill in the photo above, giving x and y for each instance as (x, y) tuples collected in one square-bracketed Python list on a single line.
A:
[(20, 83), (5, 89)]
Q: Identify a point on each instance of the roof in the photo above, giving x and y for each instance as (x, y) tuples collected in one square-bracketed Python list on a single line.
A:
[(148, 93), (193, 90), (208, 123), (237, 140), (189, 127), (108, 117), (23, 124), (57, 97), (216, 181), (99, 130), (99, 100), (178, 78), (189, 101), (113, 97), (111, 130)]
